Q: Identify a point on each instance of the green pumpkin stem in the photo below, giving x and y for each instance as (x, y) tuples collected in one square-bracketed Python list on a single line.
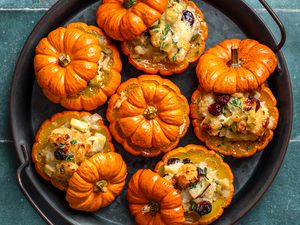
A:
[(235, 62), (101, 186), (129, 3), (64, 59)]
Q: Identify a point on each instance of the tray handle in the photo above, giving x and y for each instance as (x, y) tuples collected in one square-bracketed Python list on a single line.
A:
[(278, 22), (20, 170)]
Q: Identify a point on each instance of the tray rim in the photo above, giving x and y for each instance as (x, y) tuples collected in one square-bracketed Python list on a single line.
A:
[(23, 157)]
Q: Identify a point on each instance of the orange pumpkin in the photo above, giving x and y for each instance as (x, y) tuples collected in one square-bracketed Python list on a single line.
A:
[(97, 182), (82, 71), (126, 19), (153, 200), (148, 115), (236, 148), (43, 152), (198, 154), (160, 56), (235, 66)]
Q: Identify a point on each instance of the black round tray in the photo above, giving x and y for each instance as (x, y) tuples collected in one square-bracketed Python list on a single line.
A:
[(29, 108)]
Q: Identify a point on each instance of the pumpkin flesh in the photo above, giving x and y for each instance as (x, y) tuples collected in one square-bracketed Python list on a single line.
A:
[(245, 131), (171, 43), (215, 185), (148, 115), (73, 146), (105, 82)]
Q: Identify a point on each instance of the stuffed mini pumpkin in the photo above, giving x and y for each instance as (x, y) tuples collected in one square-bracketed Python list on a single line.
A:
[(204, 181), (65, 141), (239, 124), (235, 66), (97, 182), (153, 200), (148, 115), (159, 36), (77, 66)]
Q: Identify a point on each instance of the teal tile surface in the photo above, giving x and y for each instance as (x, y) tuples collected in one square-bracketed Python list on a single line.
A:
[(14, 32), (279, 206), (14, 207)]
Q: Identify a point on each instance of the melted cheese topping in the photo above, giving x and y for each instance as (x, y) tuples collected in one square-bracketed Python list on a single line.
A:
[(171, 37), (239, 119), (207, 187), (76, 141)]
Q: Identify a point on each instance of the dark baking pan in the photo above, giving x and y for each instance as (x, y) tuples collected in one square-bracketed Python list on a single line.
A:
[(253, 176)]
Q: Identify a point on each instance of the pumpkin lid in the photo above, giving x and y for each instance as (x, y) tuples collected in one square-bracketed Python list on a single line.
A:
[(148, 115), (125, 19), (235, 66), (67, 59), (204, 198)]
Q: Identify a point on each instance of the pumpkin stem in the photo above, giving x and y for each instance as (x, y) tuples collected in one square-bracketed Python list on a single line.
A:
[(150, 112), (129, 3), (101, 186), (235, 62), (64, 59), (151, 207)]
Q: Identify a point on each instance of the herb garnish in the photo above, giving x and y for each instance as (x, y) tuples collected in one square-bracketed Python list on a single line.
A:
[(163, 45), (249, 147), (73, 142), (223, 145), (193, 206), (62, 146), (193, 185), (236, 102), (195, 37), (155, 31), (197, 52), (70, 158), (154, 26)]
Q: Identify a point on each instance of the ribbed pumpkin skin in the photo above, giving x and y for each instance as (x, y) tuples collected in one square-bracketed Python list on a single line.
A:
[(200, 153), (44, 129), (256, 63), (168, 69), (146, 186), (123, 23), (81, 193), (83, 53), (236, 149), (129, 124), (90, 100)]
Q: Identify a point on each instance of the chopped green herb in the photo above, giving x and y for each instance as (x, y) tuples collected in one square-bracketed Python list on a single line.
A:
[(73, 142), (221, 155), (158, 21), (62, 146), (223, 145), (174, 42), (163, 45), (70, 158), (155, 31), (193, 206), (163, 38), (195, 37), (178, 50), (193, 185), (154, 26), (197, 52), (236, 102), (249, 147), (201, 183), (137, 59), (174, 57)]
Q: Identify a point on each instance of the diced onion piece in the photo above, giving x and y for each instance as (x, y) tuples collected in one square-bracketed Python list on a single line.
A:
[(95, 117), (79, 125), (99, 141)]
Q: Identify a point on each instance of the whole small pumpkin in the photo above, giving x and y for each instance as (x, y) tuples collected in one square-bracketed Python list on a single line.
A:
[(235, 66), (153, 200), (126, 19), (148, 115), (82, 71), (97, 182)]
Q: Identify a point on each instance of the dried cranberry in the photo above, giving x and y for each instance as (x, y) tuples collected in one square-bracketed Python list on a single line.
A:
[(203, 208), (222, 99), (206, 126), (188, 16), (257, 104), (173, 161), (215, 109), (60, 154), (186, 161), (147, 33)]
